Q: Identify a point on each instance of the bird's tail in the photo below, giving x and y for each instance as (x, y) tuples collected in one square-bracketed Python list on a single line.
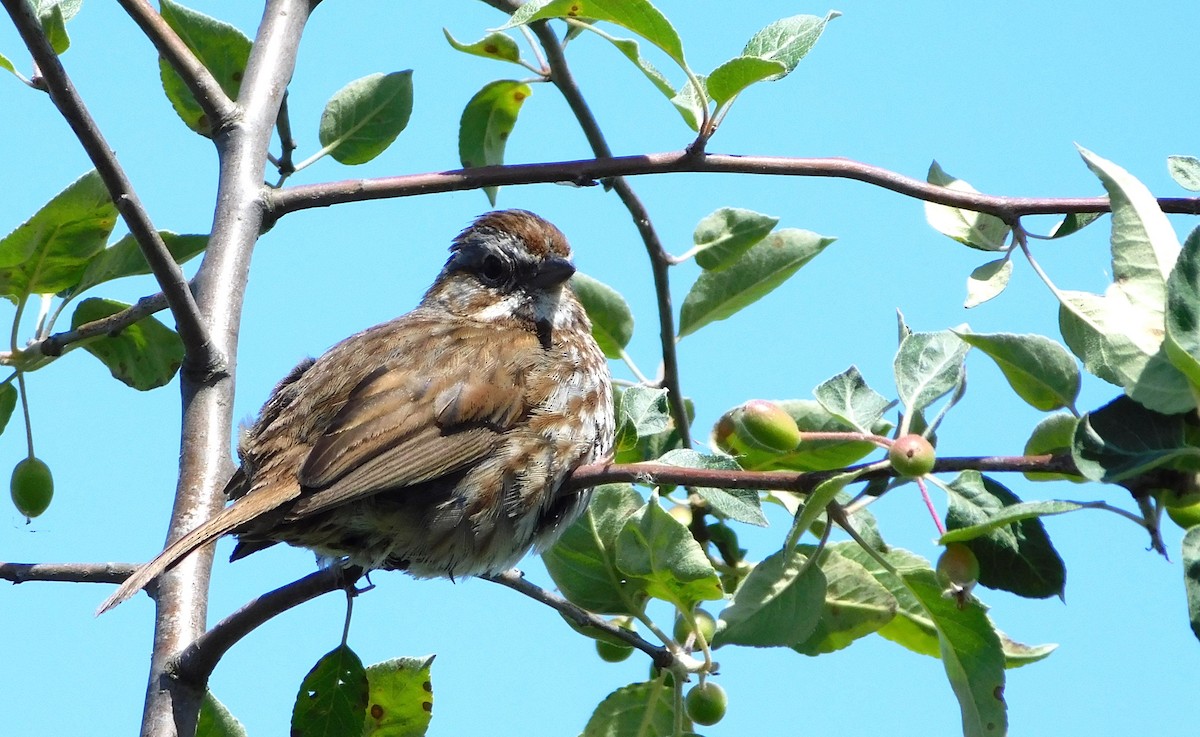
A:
[(227, 520)]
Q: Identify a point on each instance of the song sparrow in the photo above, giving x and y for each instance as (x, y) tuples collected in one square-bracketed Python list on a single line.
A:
[(438, 442)]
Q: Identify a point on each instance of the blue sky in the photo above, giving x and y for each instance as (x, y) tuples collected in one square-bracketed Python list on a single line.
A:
[(999, 97)]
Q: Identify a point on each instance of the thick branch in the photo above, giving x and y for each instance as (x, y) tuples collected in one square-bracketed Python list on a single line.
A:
[(203, 86), (195, 663), (590, 171), (202, 358)]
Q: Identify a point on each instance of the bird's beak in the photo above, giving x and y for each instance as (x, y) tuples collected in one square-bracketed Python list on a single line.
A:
[(553, 272)]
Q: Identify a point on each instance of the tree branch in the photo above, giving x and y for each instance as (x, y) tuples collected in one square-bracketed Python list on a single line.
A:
[(660, 260), (54, 345), (800, 481), (516, 581), (197, 661), (203, 86), (202, 358), (66, 572), (590, 171)]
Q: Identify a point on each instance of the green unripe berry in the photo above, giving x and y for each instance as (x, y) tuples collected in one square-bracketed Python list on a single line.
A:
[(1185, 515), (912, 456), (32, 487), (766, 426), (706, 626), (957, 567), (611, 652), (757, 426), (706, 703)]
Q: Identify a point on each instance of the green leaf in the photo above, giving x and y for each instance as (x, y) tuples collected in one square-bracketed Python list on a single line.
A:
[(971, 653), (820, 497), (144, 355), (1115, 345), (220, 47), (1015, 553), (216, 720), (742, 505), (988, 281), (847, 397), (691, 101), (8, 403), (729, 79), (363, 118), (655, 547), (637, 709), (788, 40), (50, 251), (633, 52), (640, 411), (1074, 222), (1017, 654), (1006, 516), (812, 455), (8, 65), (1185, 170), (333, 696), (492, 46), (487, 121), (1055, 435), (769, 263), (1144, 246), (125, 258), (927, 366), (1038, 369), (855, 605), (612, 322), (974, 229), (911, 627), (638, 16), (1191, 576), (1119, 336), (583, 561), (1182, 342), (723, 236), (778, 605), (1124, 438), (54, 25), (400, 702)]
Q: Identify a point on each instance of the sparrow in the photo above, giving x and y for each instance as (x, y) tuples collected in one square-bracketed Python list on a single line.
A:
[(435, 443)]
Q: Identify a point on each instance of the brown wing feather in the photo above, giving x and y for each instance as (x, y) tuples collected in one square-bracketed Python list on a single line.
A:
[(225, 521)]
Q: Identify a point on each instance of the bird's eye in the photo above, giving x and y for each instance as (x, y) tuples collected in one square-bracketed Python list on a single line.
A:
[(491, 269)]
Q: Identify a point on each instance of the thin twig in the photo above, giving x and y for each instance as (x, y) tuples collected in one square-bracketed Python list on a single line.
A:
[(66, 572), (202, 84), (202, 357), (589, 171), (516, 581), (53, 345)]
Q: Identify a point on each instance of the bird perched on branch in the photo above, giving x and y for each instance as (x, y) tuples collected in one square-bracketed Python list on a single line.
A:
[(438, 442)]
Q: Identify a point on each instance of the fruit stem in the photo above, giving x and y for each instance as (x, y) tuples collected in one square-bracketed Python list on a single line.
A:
[(25, 411), (937, 520)]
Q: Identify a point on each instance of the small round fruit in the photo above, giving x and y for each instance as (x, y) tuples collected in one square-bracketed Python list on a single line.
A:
[(912, 455), (705, 626), (766, 426), (611, 652), (682, 514), (1185, 515), (32, 487), (957, 567), (706, 703)]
